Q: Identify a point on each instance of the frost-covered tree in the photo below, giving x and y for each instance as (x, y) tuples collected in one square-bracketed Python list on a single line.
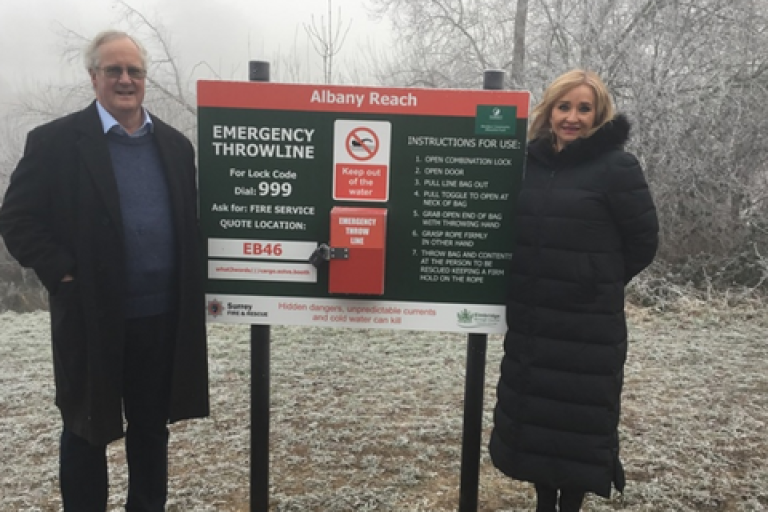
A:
[(692, 75)]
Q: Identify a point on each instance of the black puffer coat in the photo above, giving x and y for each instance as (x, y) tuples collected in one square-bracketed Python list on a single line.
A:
[(586, 225)]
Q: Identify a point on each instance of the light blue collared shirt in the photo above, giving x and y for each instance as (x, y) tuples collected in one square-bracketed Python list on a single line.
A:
[(108, 122)]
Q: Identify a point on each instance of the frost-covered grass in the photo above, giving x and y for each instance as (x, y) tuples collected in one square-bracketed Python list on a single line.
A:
[(371, 420)]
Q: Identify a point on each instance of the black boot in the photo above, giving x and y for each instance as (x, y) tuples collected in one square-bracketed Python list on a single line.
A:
[(546, 498), (570, 500)]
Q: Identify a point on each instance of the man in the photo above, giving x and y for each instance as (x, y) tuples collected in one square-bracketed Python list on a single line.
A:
[(103, 207)]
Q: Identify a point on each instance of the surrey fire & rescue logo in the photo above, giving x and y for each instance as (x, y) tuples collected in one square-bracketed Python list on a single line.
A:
[(215, 308)]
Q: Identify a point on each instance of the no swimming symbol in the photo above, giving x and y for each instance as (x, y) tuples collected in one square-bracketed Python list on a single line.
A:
[(362, 143)]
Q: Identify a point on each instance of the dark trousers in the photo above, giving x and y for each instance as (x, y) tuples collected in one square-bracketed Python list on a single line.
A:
[(547, 499), (149, 344)]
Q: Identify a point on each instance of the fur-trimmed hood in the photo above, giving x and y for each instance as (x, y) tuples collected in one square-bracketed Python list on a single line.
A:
[(612, 135)]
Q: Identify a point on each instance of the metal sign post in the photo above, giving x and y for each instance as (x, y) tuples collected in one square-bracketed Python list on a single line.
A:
[(258, 71), (477, 345)]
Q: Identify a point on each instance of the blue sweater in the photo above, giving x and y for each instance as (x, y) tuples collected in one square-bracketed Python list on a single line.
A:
[(149, 237)]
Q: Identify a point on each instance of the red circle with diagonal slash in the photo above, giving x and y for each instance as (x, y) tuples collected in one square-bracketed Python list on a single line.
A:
[(368, 148)]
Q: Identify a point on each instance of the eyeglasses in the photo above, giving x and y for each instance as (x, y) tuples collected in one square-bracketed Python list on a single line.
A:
[(117, 72)]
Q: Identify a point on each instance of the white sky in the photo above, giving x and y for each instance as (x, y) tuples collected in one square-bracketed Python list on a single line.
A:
[(224, 33)]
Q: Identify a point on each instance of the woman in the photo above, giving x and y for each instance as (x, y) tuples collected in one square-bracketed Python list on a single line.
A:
[(586, 225)]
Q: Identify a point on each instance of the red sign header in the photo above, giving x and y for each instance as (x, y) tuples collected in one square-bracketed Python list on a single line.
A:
[(326, 98)]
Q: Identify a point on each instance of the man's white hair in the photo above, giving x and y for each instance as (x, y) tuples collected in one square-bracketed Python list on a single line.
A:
[(91, 53)]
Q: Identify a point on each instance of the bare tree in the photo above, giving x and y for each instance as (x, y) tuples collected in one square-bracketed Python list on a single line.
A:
[(170, 94), (449, 43), (289, 65), (170, 85), (328, 39)]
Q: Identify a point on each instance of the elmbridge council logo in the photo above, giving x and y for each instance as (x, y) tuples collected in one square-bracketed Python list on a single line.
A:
[(215, 308), (496, 120), (466, 318)]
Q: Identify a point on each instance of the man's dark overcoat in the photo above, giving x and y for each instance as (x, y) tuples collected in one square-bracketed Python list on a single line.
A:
[(586, 225), (61, 214)]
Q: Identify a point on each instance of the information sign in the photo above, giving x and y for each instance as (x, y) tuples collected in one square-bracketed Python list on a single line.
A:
[(276, 159)]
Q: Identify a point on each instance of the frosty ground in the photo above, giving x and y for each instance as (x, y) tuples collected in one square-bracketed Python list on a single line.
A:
[(371, 420)]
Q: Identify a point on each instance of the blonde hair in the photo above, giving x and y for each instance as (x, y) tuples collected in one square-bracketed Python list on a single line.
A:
[(91, 53), (604, 109)]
